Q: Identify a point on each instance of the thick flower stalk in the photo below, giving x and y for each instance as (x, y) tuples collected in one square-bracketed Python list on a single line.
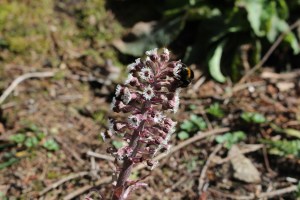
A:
[(150, 92)]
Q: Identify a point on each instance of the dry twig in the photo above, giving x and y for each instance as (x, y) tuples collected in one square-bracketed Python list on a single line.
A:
[(58, 183), (22, 78), (224, 195), (101, 156), (278, 192), (205, 168), (87, 188), (251, 196)]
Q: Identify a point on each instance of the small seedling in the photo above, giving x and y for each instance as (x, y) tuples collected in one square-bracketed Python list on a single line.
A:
[(31, 142), (29, 139), (284, 147), (18, 138), (215, 110), (229, 139), (252, 117), (51, 145), (190, 126)]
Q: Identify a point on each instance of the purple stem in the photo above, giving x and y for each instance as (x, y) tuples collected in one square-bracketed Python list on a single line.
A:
[(127, 165)]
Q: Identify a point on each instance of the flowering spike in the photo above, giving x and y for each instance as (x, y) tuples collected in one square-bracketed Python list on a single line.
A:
[(151, 89)]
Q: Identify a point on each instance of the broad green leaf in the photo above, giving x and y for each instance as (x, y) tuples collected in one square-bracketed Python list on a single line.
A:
[(214, 64), (292, 40), (254, 10), (280, 26), (283, 11)]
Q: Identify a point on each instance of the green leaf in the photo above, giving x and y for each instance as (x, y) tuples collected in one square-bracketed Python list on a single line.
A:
[(284, 147), (40, 135), (222, 138), (214, 64), (229, 139), (51, 145), (254, 11), (191, 165), (291, 39), (258, 118), (8, 163), (283, 11), (215, 110), (192, 107), (182, 135), (199, 121), (18, 138), (187, 125), (292, 132), (288, 131), (34, 128), (250, 117), (31, 142)]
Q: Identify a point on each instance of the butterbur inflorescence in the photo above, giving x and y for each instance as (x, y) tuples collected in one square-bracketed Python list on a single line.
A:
[(148, 94)]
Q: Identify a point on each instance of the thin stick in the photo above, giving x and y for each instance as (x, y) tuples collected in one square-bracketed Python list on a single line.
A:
[(86, 188), (21, 78), (101, 156), (58, 183), (266, 159), (231, 196), (278, 192), (269, 52), (251, 196), (181, 145), (198, 136), (205, 168)]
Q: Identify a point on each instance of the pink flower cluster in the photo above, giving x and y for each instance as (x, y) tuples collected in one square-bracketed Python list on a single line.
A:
[(149, 93)]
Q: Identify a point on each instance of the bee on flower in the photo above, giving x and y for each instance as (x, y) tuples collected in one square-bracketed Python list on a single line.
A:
[(150, 91)]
